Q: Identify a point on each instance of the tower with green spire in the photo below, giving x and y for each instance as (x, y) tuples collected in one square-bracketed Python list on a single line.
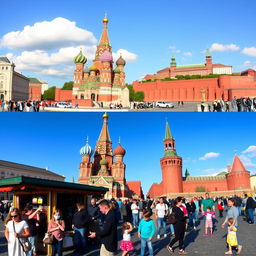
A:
[(173, 62), (208, 57), (169, 142), (171, 165)]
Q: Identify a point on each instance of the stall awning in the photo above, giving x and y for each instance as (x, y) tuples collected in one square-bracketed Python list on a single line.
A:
[(11, 188)]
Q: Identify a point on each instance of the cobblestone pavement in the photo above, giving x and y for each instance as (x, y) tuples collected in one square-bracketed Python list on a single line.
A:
[(196, 243)]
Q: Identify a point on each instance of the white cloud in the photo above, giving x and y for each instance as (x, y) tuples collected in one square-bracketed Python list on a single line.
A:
[(129, 57), (187, 54), (249, 51), (212, 171), (216, 47), (247, 161), (48, 35), (250, 149), (174, 49), (209, 156)]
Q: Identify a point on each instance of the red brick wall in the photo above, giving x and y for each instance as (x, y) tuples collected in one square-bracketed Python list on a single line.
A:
[(237, 180), (63, 95), (83, 103), (35, 93)]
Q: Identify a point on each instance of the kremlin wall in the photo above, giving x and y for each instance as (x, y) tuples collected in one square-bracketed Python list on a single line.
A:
[(235, 181), (164, 86)]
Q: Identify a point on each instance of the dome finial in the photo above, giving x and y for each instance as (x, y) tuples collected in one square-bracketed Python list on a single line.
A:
[(105, 20), (119, 140), (87, 139)]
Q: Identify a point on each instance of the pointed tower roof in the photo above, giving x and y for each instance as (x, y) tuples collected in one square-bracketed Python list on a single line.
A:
[(104, 39), (168, 134), (104, 134), (237, 165)]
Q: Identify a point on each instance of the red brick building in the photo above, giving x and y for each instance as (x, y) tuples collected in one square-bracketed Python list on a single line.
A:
[(107, 167), (225, 86), (173, 183), (35, 89)]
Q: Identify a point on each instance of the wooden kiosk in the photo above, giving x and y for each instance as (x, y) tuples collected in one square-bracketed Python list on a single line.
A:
[(52, 195)]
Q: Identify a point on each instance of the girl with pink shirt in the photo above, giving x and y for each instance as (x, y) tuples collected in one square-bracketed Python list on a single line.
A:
[(208, 220), (56, 227)]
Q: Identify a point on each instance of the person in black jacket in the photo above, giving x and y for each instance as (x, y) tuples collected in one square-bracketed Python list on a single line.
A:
[(80, 222), (191, 208), (108, 233), (250, 206), (179, 227)]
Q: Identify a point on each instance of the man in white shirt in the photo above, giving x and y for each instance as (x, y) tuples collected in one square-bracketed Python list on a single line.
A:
[(161, 212), (135, 213)]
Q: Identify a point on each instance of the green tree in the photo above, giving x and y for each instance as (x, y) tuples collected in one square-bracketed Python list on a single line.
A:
[(131, 92), (49, 94), (200, 189), (135, 96), (139, 96), (68, 85)]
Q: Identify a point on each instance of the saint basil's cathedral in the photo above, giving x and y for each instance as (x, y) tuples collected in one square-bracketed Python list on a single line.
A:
[(101, 83), (107, 168)]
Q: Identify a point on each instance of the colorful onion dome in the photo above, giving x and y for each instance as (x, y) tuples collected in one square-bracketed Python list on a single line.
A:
[(93, 68), (87, 71), (106, 56), (86, 150), (103, 162), (121, 61), (119, 151), (117, 70), (80, 58)]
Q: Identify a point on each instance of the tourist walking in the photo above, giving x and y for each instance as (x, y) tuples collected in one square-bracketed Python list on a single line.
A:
[(146, 232), (209, 215), (135, 213), (56, 227), (126, 244), (16, 230), (179, 227), (161, 213), (79, 223), (250, 207), (108, 233)]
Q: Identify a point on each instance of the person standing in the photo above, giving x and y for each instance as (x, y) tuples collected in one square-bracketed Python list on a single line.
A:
[(161, 213), (94, 214), (146, 232), (135, 213), (220, 207), (124, 211), (207, 202), (179, 227), (232, 213), (108, 232), (56, 227), (191, 208), (32, 218), (79, 223), (15, 230)]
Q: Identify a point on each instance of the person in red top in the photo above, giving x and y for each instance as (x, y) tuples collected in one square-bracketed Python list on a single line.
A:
[(220, 207), (57, 227)]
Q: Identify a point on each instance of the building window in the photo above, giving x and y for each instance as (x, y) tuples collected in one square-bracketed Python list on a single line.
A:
[(6, 68)]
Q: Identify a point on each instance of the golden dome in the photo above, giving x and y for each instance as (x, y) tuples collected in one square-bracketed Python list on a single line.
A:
[(105, 116)]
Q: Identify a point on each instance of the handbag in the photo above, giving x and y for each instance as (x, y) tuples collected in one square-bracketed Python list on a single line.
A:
[(48, 238), (25, 244), (172, 218)]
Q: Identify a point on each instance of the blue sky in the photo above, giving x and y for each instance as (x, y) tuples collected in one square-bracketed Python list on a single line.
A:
[(54, 140), (146, 32)]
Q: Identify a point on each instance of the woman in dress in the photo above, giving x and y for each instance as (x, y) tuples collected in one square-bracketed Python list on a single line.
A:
[(16, 230), (56, 227)]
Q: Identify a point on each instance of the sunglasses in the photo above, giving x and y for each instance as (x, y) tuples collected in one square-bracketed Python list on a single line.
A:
[(14, 216)]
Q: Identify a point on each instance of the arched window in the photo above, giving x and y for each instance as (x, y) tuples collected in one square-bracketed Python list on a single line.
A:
[(82, 97)]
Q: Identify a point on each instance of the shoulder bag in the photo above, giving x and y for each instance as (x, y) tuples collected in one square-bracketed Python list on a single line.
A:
[(25, 244)]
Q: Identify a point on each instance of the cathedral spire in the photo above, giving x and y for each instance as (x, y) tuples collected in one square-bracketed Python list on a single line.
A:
[(104, 135), (169, 142), (104, 40)]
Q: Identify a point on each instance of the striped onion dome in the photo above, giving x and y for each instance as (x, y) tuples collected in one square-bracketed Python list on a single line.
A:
[(103, 162), (80, 58), (121, 61), (93, 68), (86, 150)]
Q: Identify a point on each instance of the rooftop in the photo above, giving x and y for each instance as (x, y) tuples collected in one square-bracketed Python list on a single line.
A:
[(8, 164), (191, 66), (48, 183), (4, 59), (34, 80)]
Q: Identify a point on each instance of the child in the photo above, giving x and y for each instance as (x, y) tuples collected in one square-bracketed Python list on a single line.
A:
[(232, 238), (208, 222), (146, 232), (126, 244), (220, 208)]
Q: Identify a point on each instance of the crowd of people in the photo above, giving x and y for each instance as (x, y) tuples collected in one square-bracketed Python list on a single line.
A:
[(22, 106), (99, 221), (235, 105)]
